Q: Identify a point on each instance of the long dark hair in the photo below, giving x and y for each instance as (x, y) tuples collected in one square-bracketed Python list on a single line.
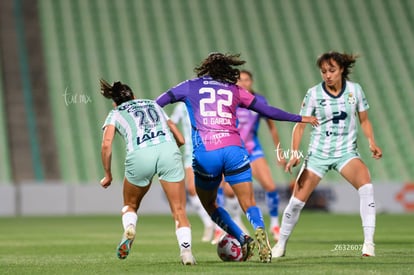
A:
[(344, 60), (118, 92), (221, 67)]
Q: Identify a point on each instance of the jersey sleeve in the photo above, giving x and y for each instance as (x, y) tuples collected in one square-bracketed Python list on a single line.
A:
[(273, 112), (110, 119), (246, 98), (262, 99), (362, 102), (308, 105), (175, 94)]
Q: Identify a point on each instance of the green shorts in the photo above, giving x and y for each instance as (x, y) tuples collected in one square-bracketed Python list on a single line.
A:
[(163, 159), (321, 165)]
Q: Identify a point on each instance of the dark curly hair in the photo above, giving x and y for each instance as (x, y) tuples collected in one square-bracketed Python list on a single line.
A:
[(344, 60), (118, 92), (221, 67)]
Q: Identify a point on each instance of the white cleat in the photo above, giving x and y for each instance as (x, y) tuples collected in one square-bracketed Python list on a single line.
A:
[(208, 234), (130, 232), (124, 247), (187, 258), (368, 250), (278, 251)]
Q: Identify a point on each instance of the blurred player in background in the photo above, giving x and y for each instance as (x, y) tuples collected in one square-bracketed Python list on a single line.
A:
[(211, 100), (180, 115), (151, 144), (337, 103), (248, 126)]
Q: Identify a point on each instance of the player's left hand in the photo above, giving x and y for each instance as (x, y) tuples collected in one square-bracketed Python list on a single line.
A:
[(376, 151), (106, 181)]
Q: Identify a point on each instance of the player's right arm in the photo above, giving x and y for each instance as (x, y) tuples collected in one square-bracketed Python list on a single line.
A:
[(106, 154), (178, 136)]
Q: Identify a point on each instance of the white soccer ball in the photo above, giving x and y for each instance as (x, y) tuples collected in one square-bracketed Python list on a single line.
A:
[(229, 249)]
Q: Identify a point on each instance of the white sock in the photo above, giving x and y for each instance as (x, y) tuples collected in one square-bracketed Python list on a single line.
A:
[(274, 221), (289, 220), (184, 238), (129, 218), (201, 212), (367, 211)]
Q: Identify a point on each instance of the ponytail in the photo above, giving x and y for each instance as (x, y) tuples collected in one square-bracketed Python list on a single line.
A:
[(118, 92)]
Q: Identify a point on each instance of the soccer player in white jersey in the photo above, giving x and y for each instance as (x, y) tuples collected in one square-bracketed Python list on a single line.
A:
[(338, 104), (151, 144), (180, 115)]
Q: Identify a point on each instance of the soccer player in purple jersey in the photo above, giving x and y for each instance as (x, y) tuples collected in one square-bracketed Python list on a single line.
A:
[(211, 100), (248, 126)]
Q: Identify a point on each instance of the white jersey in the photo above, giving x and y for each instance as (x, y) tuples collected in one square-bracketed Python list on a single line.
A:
[(337, 133), (180, 115), (141, 122)]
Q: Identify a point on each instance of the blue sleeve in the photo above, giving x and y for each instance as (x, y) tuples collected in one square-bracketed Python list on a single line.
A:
[(272, 112), (263, 99), (175, 94), (165, 99)]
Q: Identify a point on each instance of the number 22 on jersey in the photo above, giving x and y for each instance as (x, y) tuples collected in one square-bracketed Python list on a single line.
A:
[(215, 106)]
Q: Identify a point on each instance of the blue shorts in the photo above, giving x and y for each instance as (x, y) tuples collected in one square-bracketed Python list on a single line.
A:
[(257, 151), (210, 166)]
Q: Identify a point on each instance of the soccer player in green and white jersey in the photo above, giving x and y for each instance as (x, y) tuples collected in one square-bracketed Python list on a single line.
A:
[(338, 104), (151, 144)]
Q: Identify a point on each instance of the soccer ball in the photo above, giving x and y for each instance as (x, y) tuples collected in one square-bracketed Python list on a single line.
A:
[(229, 249)]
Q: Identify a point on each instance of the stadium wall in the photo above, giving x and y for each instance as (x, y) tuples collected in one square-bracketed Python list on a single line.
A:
[(153, 45), (32, 199)]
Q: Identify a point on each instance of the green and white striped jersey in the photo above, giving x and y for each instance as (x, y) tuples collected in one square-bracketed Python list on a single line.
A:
[(141, 122), (337, 133)]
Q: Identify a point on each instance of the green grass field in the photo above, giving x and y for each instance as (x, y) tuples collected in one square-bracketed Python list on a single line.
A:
[(86, 245)]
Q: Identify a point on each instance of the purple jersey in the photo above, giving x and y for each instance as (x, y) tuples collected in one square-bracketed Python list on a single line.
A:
[(249, 124), (212, 108)]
